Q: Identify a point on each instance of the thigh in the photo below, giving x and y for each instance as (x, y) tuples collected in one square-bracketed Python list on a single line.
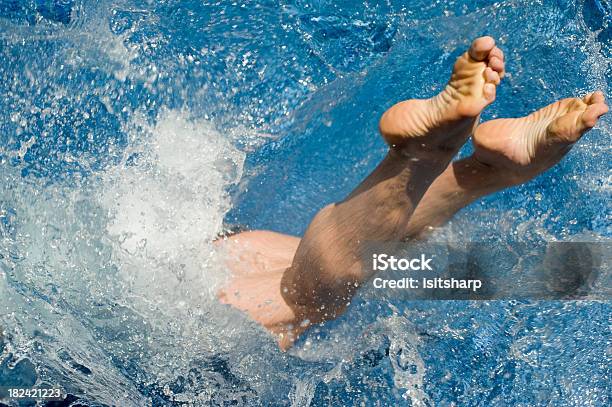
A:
[(258, 251)]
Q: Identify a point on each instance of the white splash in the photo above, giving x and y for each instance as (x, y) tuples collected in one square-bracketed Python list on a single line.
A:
[(124, 264), (168, 206)]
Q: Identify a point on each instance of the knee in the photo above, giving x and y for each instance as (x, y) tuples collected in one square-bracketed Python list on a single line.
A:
[(331, 286)]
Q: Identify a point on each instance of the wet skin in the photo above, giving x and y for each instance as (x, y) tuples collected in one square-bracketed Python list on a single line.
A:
[(287, 284)]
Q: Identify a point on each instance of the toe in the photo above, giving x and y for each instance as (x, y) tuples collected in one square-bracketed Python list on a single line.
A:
[(491, 76), (481, 47), (595, 97), (497, 61), (497, 52), (592, 113), (496, 64), (489, 92)]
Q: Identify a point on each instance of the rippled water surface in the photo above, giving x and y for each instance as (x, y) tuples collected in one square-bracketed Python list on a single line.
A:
[(132, 132)]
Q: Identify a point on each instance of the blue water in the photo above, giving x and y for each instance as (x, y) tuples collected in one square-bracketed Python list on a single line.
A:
[(132, 132)]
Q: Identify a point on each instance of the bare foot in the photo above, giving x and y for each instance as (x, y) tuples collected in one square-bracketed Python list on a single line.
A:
[(523, 148), (257, 261), (448, 119)]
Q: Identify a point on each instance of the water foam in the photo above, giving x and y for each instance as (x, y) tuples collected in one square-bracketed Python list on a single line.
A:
[(121, 270), (168, 205)]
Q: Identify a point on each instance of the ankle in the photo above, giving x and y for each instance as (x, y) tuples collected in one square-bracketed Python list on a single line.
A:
[(479, 178), (423, 156)]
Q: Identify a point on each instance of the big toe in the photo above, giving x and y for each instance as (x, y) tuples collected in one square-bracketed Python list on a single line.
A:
[(592, 113), (481, 47), (594, 98)]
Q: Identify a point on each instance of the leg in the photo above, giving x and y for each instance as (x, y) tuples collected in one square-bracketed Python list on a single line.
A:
[(423, 136), (507, 152), (529, 146), (257, 261), (259, 250)]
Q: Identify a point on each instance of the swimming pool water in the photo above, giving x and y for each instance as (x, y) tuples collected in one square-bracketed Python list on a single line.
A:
[(133, 131)]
